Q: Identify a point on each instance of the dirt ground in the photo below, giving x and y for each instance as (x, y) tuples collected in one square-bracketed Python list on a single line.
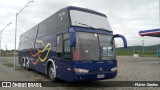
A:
[(129, 69)]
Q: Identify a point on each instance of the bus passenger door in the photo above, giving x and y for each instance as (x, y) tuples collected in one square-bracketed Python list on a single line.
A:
[(66, 57), (59, 61)]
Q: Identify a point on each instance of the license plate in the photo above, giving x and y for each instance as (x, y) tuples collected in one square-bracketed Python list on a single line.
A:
[(100, 76)]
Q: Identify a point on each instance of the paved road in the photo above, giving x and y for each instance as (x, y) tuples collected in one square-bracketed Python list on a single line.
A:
[(129, 69)]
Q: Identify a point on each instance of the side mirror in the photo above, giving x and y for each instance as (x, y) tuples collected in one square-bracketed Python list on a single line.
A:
[(121, 36), (72, 39)]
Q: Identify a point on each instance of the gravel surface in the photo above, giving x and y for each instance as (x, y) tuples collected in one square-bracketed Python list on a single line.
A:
[(129, 69)]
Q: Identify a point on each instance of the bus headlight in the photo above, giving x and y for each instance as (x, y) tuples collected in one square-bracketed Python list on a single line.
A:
[(79, 70), (114, 69)]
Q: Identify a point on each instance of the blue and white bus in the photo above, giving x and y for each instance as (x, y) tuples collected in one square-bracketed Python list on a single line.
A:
[(74, 44)]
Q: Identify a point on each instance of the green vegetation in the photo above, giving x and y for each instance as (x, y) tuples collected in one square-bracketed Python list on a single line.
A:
[(8, 64), (149, 51), (7, 53)]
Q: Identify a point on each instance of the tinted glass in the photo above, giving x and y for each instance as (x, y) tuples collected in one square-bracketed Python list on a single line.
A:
[(91, 46), (51, 24), (59, 45), (66, 47), (42, 29), (62, 20), (87, 47), (106, 48), (85, 19)]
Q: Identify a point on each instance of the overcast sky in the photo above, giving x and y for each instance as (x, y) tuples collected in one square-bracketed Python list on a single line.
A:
[(126, 17)]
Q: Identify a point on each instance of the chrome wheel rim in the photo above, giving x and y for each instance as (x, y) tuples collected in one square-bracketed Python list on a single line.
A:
[(52, 72)]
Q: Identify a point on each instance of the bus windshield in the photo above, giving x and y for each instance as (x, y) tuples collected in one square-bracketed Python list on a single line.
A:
[(91, 46), (86, 19)]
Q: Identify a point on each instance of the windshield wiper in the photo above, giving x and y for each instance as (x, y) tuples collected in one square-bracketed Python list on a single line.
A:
[(103, 29), (92, 59), (85, 25)]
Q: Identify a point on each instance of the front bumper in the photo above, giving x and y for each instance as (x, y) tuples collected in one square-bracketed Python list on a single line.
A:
[(94, 76)]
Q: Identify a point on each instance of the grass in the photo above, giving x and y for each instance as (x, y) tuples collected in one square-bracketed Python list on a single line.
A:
[(130, 53), (35, 76), (8, 64)]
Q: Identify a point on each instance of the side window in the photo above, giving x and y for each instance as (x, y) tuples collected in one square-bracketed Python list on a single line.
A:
[(59, 45), (42, 29), (62, 20), (66, 46)]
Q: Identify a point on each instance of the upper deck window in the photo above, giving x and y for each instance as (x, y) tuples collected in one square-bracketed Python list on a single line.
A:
[(86, 19)]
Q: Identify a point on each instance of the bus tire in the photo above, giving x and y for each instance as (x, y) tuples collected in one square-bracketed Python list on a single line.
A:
[(51, 73), (24, 63), (27, 64)]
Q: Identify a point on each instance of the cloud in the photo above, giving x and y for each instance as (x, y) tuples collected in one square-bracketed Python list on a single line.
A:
[(126, 17)]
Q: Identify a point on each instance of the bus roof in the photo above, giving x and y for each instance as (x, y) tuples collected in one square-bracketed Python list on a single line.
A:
[(67, 9), (85, 9)]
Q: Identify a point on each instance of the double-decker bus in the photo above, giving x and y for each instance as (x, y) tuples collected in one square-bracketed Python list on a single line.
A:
[(74, 44)]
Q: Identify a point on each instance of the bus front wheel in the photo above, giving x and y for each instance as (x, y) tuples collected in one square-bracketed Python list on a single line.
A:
[(27, 63), (51, 72)]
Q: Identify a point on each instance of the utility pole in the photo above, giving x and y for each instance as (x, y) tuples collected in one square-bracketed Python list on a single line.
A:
[(6, 47), (143, 47), (157, 51), (16, 31), (1, 35)]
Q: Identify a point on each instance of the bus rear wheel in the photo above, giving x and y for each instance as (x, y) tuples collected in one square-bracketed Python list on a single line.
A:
[(51, 73), (23, 63)]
